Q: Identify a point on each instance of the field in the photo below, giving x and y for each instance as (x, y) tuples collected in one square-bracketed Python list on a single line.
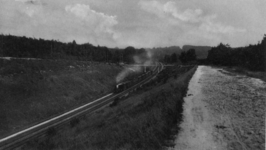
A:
[(148, 119), (34, 90)]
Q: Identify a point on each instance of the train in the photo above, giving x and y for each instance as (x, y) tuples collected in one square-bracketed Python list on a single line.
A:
[(127, 84)]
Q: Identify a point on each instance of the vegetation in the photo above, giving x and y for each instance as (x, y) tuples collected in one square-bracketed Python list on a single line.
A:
[(240, 70), (52, 49), (171, 59), (56, 78), (33, 90), (201, 51), (147, 120), (188, 56), (252, 57), (161, 53)]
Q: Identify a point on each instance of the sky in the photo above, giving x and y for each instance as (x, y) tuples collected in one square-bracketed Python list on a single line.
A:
[(138, 23)]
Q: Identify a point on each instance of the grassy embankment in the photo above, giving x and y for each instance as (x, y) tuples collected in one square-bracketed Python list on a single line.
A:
[(33, 90), (148, 119), (243, 71)]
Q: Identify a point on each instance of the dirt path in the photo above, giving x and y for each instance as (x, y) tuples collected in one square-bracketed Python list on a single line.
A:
[(223, 111)]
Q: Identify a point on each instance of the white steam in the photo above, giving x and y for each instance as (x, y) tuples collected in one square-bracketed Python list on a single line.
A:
[(140, 64)]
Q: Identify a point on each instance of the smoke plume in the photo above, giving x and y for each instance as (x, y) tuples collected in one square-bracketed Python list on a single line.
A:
[(141, 62)]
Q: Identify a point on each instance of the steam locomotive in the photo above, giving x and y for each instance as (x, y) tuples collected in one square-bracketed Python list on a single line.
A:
[(127, 84)]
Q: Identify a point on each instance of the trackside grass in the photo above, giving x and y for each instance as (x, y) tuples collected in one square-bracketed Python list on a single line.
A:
[(147, 120), (34, 90)]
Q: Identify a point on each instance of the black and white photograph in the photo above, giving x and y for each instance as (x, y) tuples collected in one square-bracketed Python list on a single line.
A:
[(132, 74)]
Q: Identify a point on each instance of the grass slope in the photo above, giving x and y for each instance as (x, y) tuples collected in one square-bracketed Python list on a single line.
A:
[(33, 90), (147, 120)]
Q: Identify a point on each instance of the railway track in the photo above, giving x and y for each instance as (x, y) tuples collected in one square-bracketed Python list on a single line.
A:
[(42, 129)]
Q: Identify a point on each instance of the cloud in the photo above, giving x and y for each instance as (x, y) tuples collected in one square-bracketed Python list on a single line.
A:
[(154, 7), (189, 15), (187, 20), (138, 23), (29, 7), (167, 9), (219, 28), (29, 1), (64, 22), (98, 21)]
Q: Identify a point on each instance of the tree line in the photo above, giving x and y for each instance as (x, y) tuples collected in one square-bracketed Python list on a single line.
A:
[(252, 57), (184, 57), (25, 47)]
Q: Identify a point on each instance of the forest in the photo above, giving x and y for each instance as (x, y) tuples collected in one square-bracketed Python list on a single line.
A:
[(252, 57), (25, 47)]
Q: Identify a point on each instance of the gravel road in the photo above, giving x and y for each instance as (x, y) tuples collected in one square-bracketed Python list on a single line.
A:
[(223, 111)]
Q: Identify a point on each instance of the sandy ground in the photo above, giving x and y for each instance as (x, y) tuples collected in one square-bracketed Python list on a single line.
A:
[(223, 111)]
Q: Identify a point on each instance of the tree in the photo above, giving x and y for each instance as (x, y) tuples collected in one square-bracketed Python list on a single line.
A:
[(190, 55), (252, 57), (117, 56), (167, 59), (129, 52), (173, 58), (182, 57)]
